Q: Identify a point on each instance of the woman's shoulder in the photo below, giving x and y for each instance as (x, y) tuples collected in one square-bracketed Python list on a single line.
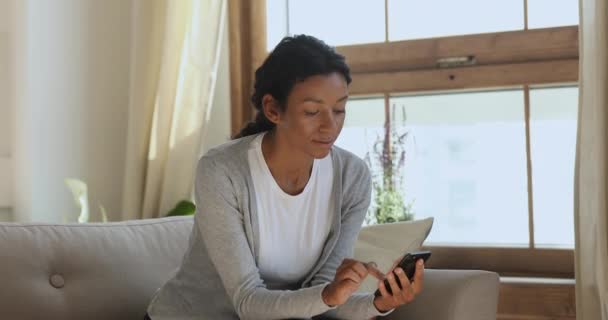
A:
[(349, 160), (355, 176), (232, 154), (349, 163), (230, 149)]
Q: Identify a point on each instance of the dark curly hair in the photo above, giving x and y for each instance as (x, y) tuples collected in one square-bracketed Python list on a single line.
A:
[(293, 60)]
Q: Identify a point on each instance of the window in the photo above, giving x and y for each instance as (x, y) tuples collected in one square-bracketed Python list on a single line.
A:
[(344, 22), (363, 123), (551, 13), (276, 22), (337, 22), (466, 163), (412, 19), (553, 119)]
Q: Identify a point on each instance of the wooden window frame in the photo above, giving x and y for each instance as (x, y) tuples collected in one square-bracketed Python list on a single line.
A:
[(247, 37), (519, 59)]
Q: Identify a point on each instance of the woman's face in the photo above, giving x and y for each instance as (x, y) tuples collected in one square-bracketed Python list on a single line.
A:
[(314, 115)]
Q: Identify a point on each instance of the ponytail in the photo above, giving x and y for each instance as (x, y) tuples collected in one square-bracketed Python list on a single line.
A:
[(259, 125)]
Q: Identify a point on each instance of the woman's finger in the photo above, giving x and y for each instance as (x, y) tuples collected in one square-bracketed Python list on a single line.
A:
[(360, 269), (395, 290), (372, 268), (406, 293), (346, 263), (350, 274), (383, 290), (418, 281)]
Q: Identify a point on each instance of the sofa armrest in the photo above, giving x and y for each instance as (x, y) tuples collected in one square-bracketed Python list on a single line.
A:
[(453, 295)]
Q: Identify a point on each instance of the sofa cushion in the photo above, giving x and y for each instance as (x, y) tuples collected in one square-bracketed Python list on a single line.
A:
[(385, 243), (87, 271)]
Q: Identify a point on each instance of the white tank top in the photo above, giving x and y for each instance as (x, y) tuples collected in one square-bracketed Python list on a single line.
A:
[(293, 229)]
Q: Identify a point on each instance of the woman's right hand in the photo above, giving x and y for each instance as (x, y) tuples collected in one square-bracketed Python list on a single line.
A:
[(349, 276)]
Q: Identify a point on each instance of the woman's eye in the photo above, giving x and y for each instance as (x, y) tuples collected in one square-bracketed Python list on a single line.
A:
[(339, 111), (311, 113)]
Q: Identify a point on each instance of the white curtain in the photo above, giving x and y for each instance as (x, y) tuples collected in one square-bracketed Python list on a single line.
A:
[(174, 59), (591, 182)]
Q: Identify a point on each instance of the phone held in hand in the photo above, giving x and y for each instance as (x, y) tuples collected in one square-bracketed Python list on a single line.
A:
[(408, 264)]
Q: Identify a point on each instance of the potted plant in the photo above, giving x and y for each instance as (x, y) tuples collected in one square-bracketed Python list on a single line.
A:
[(386, 162)]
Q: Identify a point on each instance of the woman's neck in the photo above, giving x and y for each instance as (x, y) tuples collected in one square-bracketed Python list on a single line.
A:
[(290, 168)]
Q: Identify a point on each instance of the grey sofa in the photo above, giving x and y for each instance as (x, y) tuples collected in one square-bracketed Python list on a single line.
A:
[(110, 271)]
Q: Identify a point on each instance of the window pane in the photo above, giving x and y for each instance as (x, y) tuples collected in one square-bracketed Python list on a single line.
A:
[(362, 128), (364, 121), (553, 119), (338, 22), (551, 13), (414, 19), (276, 22), (465, 161)]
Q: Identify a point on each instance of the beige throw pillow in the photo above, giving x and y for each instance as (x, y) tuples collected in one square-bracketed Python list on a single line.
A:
[(386, 243)]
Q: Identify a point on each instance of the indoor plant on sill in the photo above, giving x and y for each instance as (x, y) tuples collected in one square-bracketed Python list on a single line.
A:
[(386, 164)]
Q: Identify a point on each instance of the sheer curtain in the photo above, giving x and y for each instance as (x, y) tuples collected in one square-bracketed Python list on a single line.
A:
[(174, 57), (591, 181)]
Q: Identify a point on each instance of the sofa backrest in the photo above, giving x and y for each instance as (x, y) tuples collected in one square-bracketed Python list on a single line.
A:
[(87, 271)]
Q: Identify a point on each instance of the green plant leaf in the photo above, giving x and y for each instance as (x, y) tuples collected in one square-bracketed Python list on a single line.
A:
[(104, 214), (386, 160), (183, 208), (81, 198)]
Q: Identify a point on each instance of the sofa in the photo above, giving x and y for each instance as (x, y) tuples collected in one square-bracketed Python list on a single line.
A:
[(111, 270)]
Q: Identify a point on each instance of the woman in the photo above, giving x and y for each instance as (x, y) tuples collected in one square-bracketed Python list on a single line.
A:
[(279, 209)]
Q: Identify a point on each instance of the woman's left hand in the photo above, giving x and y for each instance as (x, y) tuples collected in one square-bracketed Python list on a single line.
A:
[(405, 294)]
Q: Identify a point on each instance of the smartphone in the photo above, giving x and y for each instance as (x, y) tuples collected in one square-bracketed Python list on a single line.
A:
[(408, 264)]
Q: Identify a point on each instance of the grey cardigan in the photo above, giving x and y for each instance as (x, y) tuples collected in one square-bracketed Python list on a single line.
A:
[(219, 278)]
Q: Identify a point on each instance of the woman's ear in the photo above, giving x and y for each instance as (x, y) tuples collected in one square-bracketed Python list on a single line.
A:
[(271, 109)]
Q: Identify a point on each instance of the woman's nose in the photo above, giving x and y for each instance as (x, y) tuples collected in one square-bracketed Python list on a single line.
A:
[(328, 121)]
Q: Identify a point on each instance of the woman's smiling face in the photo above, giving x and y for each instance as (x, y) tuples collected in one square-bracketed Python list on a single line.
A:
[(314, 114)]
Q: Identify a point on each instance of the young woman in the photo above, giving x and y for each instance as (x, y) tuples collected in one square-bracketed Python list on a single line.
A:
[(280, 207)]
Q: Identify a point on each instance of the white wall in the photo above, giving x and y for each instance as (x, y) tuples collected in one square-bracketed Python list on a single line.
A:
[(5, 62), (71, 76), (6, 179)]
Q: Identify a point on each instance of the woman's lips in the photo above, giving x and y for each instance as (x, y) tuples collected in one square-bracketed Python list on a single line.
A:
[(326, 143)]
